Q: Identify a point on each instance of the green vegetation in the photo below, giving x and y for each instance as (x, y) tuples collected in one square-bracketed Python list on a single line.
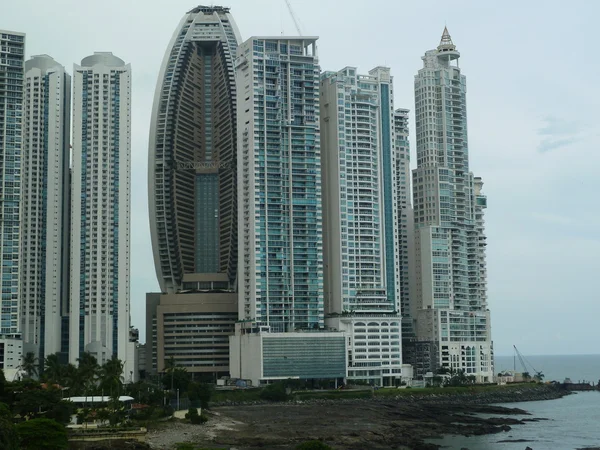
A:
[(314, 445), (39, 434), (192, 446), (276, 392), (193, 416)]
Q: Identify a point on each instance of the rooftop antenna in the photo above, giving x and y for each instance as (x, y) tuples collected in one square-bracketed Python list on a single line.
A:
[(289, 5)]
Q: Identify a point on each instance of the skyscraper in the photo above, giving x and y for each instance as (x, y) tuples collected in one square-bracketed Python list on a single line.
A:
[(280, 227), (362, 253), (404, 220), (193, 194), (192, 155), (12, 58), (280, 216), (45, 206), (448, 208), (100, 209)]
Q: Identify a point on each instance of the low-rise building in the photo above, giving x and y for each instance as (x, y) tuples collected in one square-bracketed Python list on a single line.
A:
[(193, 328), (263, 357)]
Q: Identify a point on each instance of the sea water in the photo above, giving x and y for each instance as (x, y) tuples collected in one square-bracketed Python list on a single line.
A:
[(574, 423), (574, 420), (555, 367)]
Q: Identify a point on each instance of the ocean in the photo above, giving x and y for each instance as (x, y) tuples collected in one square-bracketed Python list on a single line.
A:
[(556, 367), (574, 420)]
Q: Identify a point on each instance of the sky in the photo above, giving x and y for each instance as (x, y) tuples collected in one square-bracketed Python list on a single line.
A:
[(533, 107)]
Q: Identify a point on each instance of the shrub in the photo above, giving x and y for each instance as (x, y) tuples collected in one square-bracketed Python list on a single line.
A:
[(313, 445), (274, 392), (196, 418), (39, 434)]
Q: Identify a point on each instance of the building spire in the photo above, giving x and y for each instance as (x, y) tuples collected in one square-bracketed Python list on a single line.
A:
[(446, 43)]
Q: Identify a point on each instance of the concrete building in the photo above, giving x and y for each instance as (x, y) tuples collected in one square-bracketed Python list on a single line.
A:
[(363, 283), (192, 156), (12, 75), (280, 209), (193, 329), (449, 230), (280, 226), (262, 358), (45, 207), (193, 195), (404, 221), (100, 209)]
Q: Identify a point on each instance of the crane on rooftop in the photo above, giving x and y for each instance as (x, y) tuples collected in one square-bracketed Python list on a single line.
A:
[(289, 5)]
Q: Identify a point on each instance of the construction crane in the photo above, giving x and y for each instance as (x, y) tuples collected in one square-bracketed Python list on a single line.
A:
[(289, 5), (538, 374)]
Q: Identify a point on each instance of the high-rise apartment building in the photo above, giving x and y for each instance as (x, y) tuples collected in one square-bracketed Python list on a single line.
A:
[(45, 206), (362, 203), (404, 219), (280, 216), (193, 194), (12, 75), (279, 177), (451, 308), (100, 209)]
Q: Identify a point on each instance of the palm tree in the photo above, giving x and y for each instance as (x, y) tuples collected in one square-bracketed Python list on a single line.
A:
[(53, 370), (29, 364), (111, 379), (170, 366), (87, 371)]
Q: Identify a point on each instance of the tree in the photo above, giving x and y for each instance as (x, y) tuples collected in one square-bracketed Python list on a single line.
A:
[(200, 394), (111, 380), (170, 366), (29, 364), (526, 376), (53, 370), (539, 376), (177, 378), (39, 434), (9, 439), (87, 374)]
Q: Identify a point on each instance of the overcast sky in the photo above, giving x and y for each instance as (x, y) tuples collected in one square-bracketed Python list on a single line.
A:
[(533, 98)]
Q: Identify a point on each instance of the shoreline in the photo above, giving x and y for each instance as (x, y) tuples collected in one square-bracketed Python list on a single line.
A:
[(382, 422)]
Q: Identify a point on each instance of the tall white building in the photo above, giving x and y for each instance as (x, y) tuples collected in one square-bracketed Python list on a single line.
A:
[(280, 227), (12, 58), (404, 219), (100, 209), (451, 309), (363, 261), (45, 206)]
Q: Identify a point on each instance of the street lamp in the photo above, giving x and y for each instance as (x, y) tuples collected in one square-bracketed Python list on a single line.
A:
[(177, 399)]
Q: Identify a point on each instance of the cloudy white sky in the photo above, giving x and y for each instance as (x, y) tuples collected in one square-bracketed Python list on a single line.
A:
[(533, 104)]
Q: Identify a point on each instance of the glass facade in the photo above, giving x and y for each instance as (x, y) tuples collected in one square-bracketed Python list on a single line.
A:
[(45, 204), (207, 223), (283, 289), (192, 152), (304, 357), (101, 207), (449, 226), (12, 58)]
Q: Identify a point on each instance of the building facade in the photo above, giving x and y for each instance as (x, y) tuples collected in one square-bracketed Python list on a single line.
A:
[(100, 209), (363, 283), (448, 214), (12, 77), (192, 177), (192, 156), (45, 206), (279, 177)]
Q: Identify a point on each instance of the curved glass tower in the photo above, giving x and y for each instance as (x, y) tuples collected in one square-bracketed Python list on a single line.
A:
[(192, 156)]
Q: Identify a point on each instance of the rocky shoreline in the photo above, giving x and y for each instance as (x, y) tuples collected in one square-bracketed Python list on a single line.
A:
[(390, 422)]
